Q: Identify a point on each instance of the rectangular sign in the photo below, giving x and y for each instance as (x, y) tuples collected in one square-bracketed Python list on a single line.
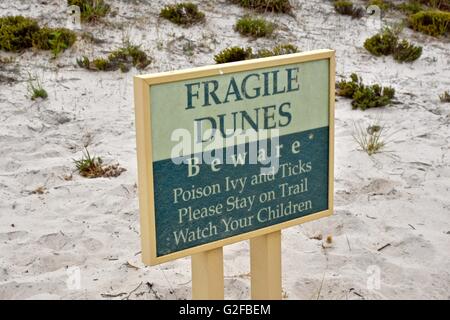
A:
[(229, 152)]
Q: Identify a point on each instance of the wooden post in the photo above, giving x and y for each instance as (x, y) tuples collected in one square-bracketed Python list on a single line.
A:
[(265, 266), (207, 275)]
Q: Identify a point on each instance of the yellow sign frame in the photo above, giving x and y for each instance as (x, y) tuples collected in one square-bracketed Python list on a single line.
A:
[(143, 107)]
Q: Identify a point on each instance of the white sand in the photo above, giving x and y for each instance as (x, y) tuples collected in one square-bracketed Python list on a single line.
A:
[(401, 197)]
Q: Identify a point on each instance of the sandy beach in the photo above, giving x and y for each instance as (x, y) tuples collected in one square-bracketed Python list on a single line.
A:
[(63, 236)]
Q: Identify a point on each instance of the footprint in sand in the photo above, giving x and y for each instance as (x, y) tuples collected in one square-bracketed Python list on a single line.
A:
[(51, 262), (55, 241), (3, 274), (92, 244), (382, 187), (13, 235)]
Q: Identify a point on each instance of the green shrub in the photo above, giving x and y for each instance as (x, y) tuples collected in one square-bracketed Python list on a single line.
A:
[(414, 6), (348, 88), (344, 7), (281, 6), (410, 7), (256, 27), (139, 58), (382, 43), (434, 22), (387, 42), (57, 40), (347, 8), (406, 52), (278, 50), (437, 4), (91, 10), (237, 53), (123, 58), (16, 32), (282, 49), (382, 4), (185, 13), (372, 97), (233, 54), (102, 64), (363, 96)]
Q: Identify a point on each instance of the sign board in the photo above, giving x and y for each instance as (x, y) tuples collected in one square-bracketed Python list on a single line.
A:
[(233, 151)]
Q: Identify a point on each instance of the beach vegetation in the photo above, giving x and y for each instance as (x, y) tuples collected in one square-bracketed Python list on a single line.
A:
[(364, 96), (18, 33), (348, 8), (122, 59), (35, 88), (435, 23), (239, 53), (371, 139), (387, 42), (278, 6), (91, 10), (255, 27), (92, 167), (184, 14)]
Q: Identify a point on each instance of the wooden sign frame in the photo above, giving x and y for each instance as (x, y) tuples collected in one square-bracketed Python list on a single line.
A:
[(143, 107)]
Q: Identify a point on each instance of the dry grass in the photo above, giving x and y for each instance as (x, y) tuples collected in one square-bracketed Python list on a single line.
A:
[(39, 190), (92, 167), (372, 139), (445, 97)]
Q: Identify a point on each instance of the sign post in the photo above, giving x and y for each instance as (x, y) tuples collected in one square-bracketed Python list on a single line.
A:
[(234, 152), (265, 266), (207, 275)]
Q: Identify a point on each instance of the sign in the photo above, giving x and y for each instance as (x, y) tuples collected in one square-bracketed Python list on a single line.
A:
[(234, 151)]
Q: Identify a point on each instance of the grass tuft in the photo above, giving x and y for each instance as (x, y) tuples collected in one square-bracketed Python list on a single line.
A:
[(347, 8), (91, 10), (185, 14), (238, 53), (89, 167), (35, 89), (255, 27), (372, 139), (233, 54), (279, 6), (92, 167)]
